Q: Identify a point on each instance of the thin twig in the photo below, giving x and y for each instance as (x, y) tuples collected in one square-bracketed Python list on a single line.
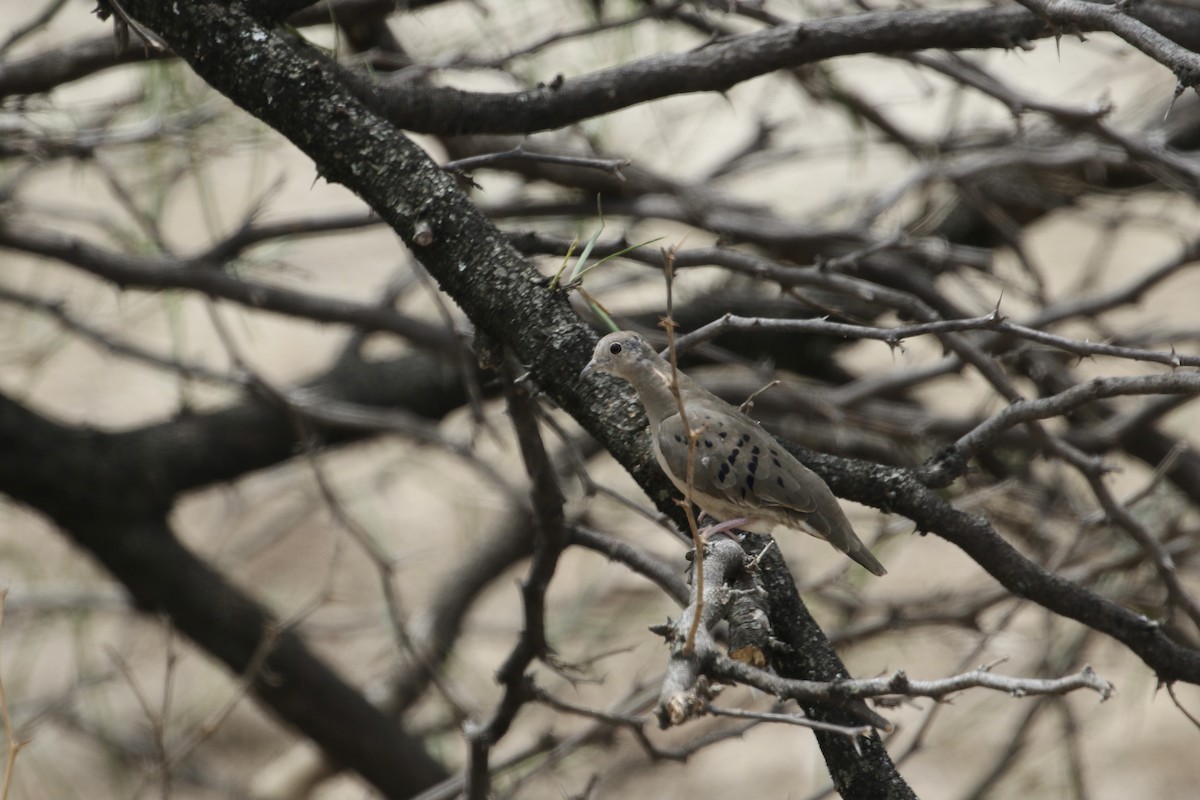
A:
[(668, 323), (13, 745)]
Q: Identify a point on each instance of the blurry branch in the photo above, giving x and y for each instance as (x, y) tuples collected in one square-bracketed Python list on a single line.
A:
[(162, 575), (464, 165), (551, 748), (834, 248), (384, 564), (313, 404), (1018, 741), (431, 634), (382, 561), (622, 718), (1142, 153), (1056, 655), (57, 311), (1190, 717), (664, 575), (790, 719), (13, 746), (251, 234), (80, 58), (961, 612), (156, 718), (951, 462), (27, 141), (201, 448), (714, 67), (1014, 180), (304, 13), (636, 178), (64, 601), (557, 37), (160, 272), (549, 541), (1131, 292), (463, 356), (1177, 594), (48, 12), (52, 68), (1005, 620), (436, 626)]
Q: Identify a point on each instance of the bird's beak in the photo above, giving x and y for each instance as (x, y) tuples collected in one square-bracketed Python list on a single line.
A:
[(590, 369)]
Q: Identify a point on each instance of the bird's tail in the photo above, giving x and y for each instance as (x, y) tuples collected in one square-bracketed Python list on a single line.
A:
[(859, 552), (830, 523)]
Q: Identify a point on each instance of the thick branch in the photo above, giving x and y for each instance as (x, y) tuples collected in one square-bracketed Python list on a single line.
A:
[(715, 67), (53, 467)]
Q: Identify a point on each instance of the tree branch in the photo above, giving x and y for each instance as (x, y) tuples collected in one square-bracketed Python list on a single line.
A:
[(713, 67)]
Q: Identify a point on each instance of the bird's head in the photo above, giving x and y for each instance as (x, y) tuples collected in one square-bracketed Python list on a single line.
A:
[(620, 354)]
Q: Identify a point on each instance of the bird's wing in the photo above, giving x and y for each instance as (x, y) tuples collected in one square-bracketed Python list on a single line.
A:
[(736, 462), (740, 470)]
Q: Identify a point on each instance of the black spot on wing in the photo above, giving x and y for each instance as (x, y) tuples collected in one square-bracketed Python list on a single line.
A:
[(733, 454), (722, 472)]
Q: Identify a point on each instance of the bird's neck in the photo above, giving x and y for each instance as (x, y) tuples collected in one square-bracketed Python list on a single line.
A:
[(654, 386)]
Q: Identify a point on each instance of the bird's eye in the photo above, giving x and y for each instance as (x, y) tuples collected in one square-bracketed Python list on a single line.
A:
[(614, 348)]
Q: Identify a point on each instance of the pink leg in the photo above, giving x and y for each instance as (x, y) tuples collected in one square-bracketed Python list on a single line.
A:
[(709, 531)]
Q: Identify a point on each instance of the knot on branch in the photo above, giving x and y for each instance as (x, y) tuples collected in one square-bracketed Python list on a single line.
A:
[(423, 233), (943, 468), (686, 704), (1187, 74)]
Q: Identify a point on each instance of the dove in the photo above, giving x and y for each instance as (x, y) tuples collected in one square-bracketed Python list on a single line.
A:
[(742, 476)]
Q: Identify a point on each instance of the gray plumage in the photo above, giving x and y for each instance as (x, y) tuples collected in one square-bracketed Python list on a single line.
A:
[(740, 470)]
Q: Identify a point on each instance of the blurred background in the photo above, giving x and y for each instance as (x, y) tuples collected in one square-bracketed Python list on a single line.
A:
[(1037, 178)]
